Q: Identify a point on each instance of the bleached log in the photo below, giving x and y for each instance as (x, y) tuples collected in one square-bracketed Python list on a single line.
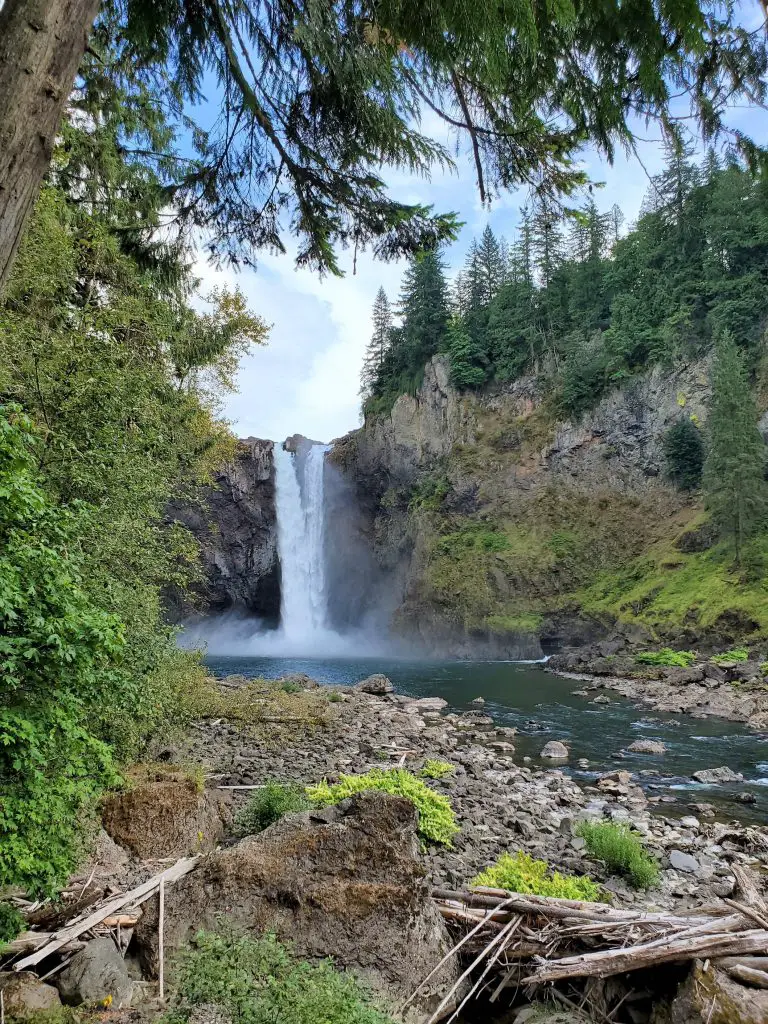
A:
[(111, 907)]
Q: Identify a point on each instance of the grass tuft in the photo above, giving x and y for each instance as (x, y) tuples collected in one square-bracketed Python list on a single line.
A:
[(736, 654), (621, 851), (268, 805), (437, 822), (666, 656), (260, 980), (436, 769), (521, 873)]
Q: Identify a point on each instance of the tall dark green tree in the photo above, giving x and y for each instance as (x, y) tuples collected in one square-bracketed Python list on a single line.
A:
[(376, 351), (734, 472), (684, 454)]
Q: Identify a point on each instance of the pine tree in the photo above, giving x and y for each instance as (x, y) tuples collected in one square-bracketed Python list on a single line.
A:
[(490, 266), (467, 361), (373, 361), (734, 482), (615, 220), (684, 454)]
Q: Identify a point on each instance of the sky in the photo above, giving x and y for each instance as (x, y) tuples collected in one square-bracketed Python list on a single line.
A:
[(306, 379)]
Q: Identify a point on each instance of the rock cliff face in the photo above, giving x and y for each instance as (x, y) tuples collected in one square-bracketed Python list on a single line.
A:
[(493, 516), (235, 522)]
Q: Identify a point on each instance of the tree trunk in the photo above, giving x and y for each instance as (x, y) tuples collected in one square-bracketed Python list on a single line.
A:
[(41, 45)]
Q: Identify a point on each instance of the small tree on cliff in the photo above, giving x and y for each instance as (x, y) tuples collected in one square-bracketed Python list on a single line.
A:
[(377, 346), (734, 480)]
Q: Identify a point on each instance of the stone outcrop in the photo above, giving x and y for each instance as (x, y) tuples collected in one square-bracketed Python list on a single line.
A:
[(343, 882), (235, 523), (96, 973), (25, 996), (166, 818)]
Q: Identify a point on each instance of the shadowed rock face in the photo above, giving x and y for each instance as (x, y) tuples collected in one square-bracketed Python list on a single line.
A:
[(235, 522)]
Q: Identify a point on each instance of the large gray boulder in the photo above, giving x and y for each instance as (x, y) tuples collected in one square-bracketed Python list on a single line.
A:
[(555, 750), (96, 973), (24, 995), (715, 775), (377, 684), (347, 883), (647, 747)]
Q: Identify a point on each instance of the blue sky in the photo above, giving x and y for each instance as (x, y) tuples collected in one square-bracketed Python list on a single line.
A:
[(306, 379)]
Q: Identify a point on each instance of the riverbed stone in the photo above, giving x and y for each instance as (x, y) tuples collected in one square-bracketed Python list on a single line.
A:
[(715, 775), (379, 685), (647, 747), (554, 750), (682, 861)]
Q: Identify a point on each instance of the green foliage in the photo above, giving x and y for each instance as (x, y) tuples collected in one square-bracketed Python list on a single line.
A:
[(621, 850), (60, 667), (734, 473), (429, 493), (437, 822), (260, 981), (684, 454), (521, 873), (433, 768), (737, 654), (666, 656), (268, 805), (12, 923)]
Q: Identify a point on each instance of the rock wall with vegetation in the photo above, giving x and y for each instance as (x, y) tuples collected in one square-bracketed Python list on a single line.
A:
[(512, 531)]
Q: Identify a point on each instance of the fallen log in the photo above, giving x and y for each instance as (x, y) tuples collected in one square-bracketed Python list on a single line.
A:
[(108, 909)]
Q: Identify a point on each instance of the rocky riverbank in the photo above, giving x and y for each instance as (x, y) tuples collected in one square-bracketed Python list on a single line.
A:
[(723, 688), (501, 805)]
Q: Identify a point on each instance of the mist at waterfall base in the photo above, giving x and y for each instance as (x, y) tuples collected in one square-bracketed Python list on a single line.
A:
[(332, 603)]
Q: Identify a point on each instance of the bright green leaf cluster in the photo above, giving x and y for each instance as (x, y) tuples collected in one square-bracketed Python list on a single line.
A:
[(621, 850), (666, 656), (433, 768), (268, 805), (738, 654), (437, 822), (521, 873)]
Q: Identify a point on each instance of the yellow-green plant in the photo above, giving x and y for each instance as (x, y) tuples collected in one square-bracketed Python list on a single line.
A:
[(666, 656), (437, 822), (521, 873), (621, 850), (735, 654), (436, 769)]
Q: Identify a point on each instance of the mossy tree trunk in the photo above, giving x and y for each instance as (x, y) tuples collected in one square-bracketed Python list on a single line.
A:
[(41, 45)]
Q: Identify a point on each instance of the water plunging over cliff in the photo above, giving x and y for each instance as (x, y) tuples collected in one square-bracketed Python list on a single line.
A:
[(300, 542)]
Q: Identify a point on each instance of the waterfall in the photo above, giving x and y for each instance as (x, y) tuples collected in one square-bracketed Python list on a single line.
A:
[(300, 537)]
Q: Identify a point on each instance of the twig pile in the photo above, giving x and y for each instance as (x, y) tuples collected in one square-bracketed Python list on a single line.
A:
[(521, 939)]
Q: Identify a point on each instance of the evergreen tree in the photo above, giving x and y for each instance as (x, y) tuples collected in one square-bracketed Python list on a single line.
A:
[(684, 454), (467, 361), (373, 360), (734, 471), (615, 221), (490, 265)]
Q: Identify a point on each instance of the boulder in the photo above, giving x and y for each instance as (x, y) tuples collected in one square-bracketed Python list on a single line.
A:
[(96, 973), (426, 704), (166, 818), (377, 684), (711, 997), (350, 887), (714, 775), (647, 747), (478, 700), (301, 680), (555, 750), (681, 861), (24, 995)]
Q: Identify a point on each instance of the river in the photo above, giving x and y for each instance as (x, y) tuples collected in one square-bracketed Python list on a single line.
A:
[(542, 706)]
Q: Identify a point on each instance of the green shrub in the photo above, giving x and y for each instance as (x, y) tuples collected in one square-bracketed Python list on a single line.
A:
[(737, 654), (437, 822), (260, 981), (521, 873), (666, 656), (12, 923), (268, 805), (436, 769), (684, 453), (621, 851)]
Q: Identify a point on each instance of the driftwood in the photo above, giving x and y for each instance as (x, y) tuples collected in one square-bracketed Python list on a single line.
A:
[(521, 939), (59, 940)]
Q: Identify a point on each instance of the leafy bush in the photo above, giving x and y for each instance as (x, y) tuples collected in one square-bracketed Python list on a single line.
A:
[(12, 923), (268, 805), (737, 654), (260, 981), (684, 454), (436, 769), (521, 873), (437, 822), (621, 851), (666, 656)]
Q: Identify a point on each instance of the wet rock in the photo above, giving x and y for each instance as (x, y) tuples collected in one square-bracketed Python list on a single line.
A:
[(377, 684), (167, 818), (711, 997), (681, 861), (714, 775), (478, 700), (428, 704), (690, 822), (747, 798), (24, 995), (95, 973), (353, 889), (301, 680), (554, 750), (647, 747), (601, 698)]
